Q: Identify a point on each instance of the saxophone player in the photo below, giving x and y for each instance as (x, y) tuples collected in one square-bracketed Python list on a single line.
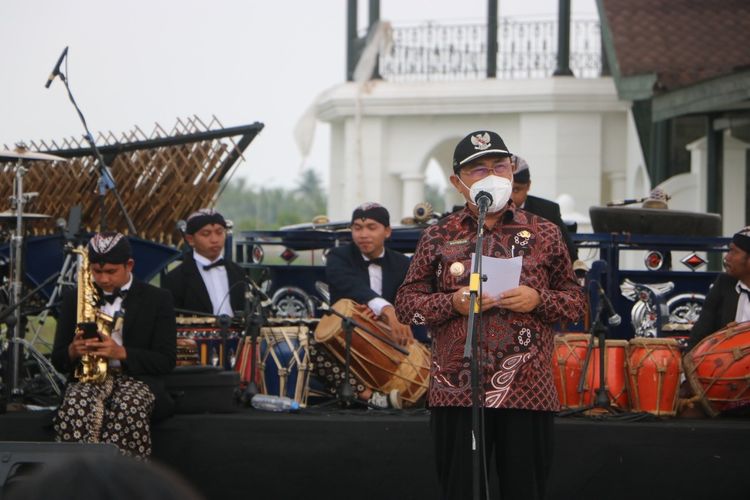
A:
[(138, 350)]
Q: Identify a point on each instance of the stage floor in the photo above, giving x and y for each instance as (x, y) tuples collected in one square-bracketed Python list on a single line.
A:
[(367, 454)]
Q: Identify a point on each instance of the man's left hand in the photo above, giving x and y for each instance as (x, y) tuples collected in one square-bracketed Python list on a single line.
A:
[(106, 348), (521, 299)]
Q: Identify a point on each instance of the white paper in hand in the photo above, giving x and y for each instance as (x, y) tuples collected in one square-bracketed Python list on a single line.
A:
[(502, 274)]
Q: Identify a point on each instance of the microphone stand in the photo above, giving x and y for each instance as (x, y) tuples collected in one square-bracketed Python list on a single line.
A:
[(471, 350), (598, 331), (253, 321), (106, 181)]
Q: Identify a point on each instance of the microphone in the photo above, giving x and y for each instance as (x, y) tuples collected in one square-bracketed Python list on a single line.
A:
[(483, 199), (56, 71), (265, 300), (627, 201), (613, 319)]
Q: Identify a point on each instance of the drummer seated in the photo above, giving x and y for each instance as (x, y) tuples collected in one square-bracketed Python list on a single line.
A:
[(729, 298), (370, 274)]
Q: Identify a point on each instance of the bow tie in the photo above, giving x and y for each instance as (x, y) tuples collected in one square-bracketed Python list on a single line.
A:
[(378, 261), (110, 299), (218, 263)]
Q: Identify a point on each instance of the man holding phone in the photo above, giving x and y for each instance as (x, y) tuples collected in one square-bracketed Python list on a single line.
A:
[(139, 351)]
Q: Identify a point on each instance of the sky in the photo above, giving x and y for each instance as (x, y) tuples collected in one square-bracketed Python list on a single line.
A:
[(139, 62)]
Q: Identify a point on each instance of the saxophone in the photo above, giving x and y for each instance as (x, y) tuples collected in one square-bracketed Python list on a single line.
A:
[(88, 317)]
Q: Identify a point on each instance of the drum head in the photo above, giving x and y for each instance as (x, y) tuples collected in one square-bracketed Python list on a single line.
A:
[(330, 325)]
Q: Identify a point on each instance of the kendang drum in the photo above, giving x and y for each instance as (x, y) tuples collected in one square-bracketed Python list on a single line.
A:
[(284, 356), (212, 349), (375, 360), (718, 369), (567, 367), (653, 368)]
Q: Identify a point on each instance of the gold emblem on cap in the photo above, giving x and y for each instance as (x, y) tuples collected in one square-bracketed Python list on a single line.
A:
[(457, 269), (525, 234)]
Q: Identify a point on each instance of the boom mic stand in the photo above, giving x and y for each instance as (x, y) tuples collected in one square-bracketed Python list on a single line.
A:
[(106, 181), (599, 332)]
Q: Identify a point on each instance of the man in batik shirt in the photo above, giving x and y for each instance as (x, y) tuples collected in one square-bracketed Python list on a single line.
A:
[(516, 339)]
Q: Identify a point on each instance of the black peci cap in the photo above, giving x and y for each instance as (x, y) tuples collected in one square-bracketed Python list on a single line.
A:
[(476, 145)]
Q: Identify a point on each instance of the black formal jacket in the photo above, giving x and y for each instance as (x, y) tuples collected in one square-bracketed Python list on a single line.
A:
[(190, 292), (148, 334), (719, 309), (347, 276), (551, 211)]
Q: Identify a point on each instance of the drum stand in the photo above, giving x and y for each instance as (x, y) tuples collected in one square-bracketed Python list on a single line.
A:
[(345, 391)]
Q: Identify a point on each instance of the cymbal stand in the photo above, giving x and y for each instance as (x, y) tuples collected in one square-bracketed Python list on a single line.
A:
[(17, 202)]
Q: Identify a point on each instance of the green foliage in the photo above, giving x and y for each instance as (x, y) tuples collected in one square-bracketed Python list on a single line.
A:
[(262, 208)]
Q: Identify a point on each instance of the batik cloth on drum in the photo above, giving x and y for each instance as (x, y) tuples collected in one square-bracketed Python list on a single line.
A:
[(330, 371), (116, 411)]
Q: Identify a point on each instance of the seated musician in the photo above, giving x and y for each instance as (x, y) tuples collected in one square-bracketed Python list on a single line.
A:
[(369, 274), (729, 298), (206, 282), (140, 350)]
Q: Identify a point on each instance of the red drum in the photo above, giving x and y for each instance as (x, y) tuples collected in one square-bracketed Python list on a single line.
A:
[(718, 369), (654, 367), (375, 363), (567, 367)]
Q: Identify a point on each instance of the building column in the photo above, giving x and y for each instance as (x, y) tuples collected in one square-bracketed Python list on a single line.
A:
[(412, 192)]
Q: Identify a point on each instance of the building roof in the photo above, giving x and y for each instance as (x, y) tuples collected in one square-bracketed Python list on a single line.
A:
[(659, 46)]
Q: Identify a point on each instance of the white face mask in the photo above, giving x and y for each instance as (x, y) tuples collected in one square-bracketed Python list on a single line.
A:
[(499, 187)]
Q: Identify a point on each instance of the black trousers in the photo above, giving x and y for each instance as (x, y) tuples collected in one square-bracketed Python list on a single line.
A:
[(521, 442)]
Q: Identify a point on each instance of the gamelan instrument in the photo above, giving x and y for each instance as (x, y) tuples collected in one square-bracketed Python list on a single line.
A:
[(201, 342), (718, 369), (654, 367), (567, 368), (374, 362)]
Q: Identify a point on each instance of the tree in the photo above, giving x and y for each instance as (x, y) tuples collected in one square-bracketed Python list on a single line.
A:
[(261, 208)]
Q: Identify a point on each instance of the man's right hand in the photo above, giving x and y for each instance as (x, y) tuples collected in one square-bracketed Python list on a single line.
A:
[(77, 347), (460, 301)]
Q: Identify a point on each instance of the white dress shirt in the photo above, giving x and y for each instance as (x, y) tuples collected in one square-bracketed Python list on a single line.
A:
[(376, 285), (743, 304), (112, 310), (217, 284)]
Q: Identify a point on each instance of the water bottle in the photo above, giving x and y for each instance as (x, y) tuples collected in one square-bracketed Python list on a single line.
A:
[(273, 403)]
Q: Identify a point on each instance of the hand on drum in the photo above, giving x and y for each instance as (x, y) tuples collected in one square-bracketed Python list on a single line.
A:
[(400, 332)]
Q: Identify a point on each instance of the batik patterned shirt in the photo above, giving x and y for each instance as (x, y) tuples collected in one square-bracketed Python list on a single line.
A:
[(515, 348)]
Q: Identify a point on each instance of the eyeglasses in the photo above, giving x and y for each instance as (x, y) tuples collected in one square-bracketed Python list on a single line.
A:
[(482, 172)]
